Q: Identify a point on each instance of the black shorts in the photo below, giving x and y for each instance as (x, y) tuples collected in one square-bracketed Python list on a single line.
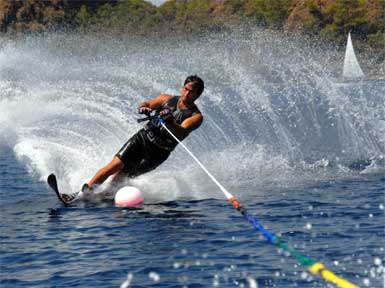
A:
[(139, 155)]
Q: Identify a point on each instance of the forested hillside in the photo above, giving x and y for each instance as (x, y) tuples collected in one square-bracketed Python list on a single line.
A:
[(326, 18)]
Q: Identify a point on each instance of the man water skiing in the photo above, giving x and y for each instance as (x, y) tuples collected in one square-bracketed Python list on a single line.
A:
[(152, 145)]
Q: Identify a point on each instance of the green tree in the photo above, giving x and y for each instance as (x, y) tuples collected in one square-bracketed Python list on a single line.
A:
[(267, 13), (344, 16), (168, 10), (194, 15), (82, 18), (376, 32), (317, 19), (129, 16)]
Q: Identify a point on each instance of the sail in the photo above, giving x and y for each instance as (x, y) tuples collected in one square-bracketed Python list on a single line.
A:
[(352, 68)]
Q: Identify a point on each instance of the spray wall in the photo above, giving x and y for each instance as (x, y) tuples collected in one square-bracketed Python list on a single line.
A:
[(274, 109)]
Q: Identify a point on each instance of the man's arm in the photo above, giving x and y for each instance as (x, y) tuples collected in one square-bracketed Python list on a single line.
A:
[(188, 125), (182, 130), (155, 103), (192, 123)]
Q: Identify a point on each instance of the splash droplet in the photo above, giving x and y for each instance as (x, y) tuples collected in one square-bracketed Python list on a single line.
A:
[(126, 283), (252, 282), (366, 282), (377, 261), (154, 276)]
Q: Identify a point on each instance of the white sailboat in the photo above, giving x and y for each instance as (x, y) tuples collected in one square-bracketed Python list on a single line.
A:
[(352, 69)]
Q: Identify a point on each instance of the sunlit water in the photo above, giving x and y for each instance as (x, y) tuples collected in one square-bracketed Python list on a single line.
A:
[(301, 150)]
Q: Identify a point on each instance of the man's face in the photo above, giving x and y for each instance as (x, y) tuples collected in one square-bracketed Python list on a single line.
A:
[(189, 93)]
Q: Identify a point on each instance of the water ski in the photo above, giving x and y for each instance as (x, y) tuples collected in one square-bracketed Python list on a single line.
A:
[(66, 199), (125, 196)]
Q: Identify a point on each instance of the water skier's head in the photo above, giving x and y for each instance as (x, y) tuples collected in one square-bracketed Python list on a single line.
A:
[(192, 89)]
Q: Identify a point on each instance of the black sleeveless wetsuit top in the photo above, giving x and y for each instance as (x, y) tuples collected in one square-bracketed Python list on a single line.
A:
[(155, 132)]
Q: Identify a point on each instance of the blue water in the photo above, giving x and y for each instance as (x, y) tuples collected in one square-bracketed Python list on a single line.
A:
[(301, 150), (193, 243)]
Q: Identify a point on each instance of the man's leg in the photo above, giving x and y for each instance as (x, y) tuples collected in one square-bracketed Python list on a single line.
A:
[(118, 177), (115, 166)]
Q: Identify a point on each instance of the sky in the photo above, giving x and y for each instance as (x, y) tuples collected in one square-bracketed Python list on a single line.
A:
[(156, 2)]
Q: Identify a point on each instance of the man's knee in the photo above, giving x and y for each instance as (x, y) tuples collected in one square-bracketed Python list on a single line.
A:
[(116, 165)]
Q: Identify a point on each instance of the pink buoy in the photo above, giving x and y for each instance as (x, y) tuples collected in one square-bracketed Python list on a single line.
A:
[(128, 196)]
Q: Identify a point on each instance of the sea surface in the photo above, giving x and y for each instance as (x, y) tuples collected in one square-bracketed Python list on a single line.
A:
[(302, 149)]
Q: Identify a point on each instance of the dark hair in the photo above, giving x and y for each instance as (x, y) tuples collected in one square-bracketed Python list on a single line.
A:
[(197, 82)]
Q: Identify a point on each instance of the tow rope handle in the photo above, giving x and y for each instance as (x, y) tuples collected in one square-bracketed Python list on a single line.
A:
[(148, 118)]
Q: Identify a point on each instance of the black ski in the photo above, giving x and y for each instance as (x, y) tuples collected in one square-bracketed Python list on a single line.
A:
[(66, 199)]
